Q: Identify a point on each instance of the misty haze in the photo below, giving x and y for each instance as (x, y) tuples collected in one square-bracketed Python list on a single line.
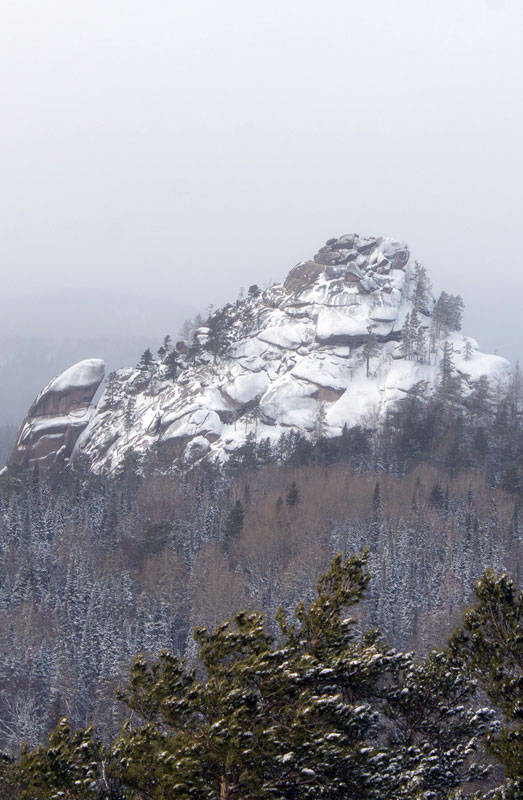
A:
[(261, 408)]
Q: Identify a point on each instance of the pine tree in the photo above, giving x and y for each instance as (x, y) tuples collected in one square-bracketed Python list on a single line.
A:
[(490, 646), (447, 313), (72, 766), (111, 389), (129, 410), (172, 361), (293, 495), (479, 400), (370, 348), (219, 335), (146, 360), (309, 718), (422, 289), (233, 525), (406, 337), (449, 382)]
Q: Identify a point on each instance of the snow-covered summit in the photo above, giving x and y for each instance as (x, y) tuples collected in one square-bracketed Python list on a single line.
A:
[(345, 335)]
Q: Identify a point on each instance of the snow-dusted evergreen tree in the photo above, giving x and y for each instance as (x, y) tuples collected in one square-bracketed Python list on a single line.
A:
[(447, 313), (422, 295), (328, 710), (370, 348)]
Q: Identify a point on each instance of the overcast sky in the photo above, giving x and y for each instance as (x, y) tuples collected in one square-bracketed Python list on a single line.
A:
[(186, 148)]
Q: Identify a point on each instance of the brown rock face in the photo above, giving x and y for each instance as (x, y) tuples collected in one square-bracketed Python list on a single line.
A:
[(57, 417), (302, 275)]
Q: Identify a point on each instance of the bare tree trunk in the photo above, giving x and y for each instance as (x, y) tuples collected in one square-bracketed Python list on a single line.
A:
[(223, 788)]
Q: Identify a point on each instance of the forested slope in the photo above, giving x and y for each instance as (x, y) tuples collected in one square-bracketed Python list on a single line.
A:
[(93, 570)]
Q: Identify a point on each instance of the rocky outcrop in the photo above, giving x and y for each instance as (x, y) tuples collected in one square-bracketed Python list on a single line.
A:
[(325, 344), (58, 416)]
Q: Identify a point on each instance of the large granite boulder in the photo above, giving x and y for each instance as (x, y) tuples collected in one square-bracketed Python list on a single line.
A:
[(58, 416), (302, 275)]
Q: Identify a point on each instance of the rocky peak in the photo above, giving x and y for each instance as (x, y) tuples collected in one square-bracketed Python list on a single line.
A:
[(347, 334), (365, 263)]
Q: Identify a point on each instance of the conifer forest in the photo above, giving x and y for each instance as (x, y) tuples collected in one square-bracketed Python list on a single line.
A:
[(115, 595)]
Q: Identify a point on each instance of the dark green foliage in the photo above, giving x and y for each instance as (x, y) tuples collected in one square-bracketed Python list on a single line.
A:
[(155, 538), (71, 767), (371, 347), (8, 782), (219, 334), (436, 496), (422, 289), (146, 359), (512, 481), (111, 389), (172, 362), (293, 495), (233, 525), (376, 498), (478, 402), (490, 646), (447, 313), (449, 382), (326, 710)]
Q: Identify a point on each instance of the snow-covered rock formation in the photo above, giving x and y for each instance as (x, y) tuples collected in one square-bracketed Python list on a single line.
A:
[(57, 417), (344, 336)]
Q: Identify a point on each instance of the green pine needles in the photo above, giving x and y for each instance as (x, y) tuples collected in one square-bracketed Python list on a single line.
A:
[(306, 708)]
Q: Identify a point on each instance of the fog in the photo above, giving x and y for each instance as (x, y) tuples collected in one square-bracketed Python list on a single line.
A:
[(178, 150)]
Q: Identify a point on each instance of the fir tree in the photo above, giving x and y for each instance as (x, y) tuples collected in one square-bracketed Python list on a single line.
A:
[(293, 495)]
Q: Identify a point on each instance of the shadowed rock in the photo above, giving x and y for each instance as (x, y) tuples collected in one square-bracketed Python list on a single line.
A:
[(58, 416)]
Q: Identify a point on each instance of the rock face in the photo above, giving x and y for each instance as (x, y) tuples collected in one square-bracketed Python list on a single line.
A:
[(58, 416), (332, 345)]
